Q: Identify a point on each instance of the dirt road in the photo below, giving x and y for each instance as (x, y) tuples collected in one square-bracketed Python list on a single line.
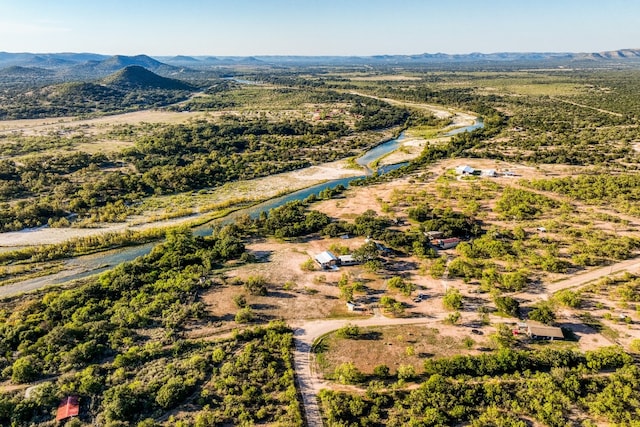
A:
[(583, 279), (307, 333)]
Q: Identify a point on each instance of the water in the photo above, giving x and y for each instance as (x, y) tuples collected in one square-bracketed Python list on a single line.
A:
[(377, 152), (477, 125), (102, 261)]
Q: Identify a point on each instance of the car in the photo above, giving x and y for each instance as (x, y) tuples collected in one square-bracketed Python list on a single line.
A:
[(476, 332)]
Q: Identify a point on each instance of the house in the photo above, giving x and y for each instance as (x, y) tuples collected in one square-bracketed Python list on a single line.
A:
[(69, 407), (489, 172), (465, 170), (326, 259), (351, 306), (447, 243), (347, 260), (538, 331)]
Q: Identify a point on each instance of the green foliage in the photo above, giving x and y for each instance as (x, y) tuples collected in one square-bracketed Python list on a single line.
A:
[(543, 312), (292, 219), (503, 338), (438, 267), (256, 285), (349, 331), (245, 315), (308, 265), (507, 305), (520, 204), (347, 373), (25, 370), (381, 371), (399, 284), (453, 318), (452, 299), (568, 298)]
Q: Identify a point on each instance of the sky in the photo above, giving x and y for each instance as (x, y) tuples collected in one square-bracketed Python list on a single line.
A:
[(317, 27)]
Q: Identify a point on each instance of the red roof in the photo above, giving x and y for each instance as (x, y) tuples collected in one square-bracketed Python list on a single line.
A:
[(69, 407), (450, 240)]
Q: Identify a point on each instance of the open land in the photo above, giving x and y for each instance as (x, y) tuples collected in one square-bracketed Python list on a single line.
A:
[(569, 248)]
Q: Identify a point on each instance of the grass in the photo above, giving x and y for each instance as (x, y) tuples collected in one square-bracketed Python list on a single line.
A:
[(388, 345)]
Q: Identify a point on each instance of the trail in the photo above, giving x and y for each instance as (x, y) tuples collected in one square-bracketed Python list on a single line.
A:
[(307, 333), (600, 110)]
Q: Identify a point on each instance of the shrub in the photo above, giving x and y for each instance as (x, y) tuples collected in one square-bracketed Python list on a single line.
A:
[(256, 285), (244, 315), (452, 299)]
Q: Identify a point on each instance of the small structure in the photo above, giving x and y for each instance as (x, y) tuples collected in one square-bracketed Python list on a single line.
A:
[(508, 173), (351, 306), (69, 407), (326, 259), (465, 170), (433, 235), (347, 260), (489, 172), (543, 332), (447, 243)]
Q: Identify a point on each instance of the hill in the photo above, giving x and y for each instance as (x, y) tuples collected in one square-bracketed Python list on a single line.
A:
[(137, 77)]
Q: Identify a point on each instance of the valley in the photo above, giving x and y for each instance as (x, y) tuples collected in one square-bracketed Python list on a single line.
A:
[(512, 204)]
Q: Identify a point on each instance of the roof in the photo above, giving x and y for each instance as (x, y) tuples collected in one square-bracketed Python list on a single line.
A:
[(69, 407), (465, 169), (347, 258), (489, 172), (545, 331), (325, 257), (449, 240)]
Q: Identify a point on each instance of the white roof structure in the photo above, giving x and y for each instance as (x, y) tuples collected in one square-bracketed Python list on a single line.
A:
[(489, 172), (465, 169), (325, 257)]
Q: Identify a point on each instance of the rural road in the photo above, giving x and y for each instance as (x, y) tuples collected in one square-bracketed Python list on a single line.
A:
[(305, 335), (582, 279)]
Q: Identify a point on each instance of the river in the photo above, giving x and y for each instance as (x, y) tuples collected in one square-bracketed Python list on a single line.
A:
[(87, 265)]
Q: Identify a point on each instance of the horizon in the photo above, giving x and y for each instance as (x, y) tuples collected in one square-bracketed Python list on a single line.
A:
[(316, 28), (311, 56)]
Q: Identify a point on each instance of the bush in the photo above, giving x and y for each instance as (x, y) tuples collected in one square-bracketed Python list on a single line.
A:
[(349, 332), (543, 313), (381, 371), (244, 315), (25, 370), (256, 285), (452, 299), (347, 373)]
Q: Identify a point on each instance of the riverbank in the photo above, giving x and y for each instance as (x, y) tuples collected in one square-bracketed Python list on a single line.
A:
[(200, 204)]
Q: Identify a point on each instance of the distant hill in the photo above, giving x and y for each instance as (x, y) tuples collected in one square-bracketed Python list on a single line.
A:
[(118, 62), (18, 71), (137, 77)]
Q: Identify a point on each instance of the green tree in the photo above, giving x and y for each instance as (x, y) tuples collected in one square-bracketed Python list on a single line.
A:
[(543, 312), (507, 305), (25, 369), (452, 299), (347, 373), (256, 285)]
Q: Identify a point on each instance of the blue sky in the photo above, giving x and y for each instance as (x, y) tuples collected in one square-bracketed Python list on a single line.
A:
[(317, 27)]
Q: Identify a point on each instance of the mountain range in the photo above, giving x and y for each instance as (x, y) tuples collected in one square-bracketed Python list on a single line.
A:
[(101, 63), (46, 68)]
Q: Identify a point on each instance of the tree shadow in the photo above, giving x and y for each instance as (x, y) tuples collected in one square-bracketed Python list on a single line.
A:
[(262, 256)]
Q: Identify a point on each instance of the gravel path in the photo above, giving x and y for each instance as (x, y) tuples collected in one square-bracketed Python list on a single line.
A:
[(307, 333)]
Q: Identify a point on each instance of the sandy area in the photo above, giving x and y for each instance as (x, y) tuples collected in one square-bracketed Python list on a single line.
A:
[(40, 126), (258, 189)]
